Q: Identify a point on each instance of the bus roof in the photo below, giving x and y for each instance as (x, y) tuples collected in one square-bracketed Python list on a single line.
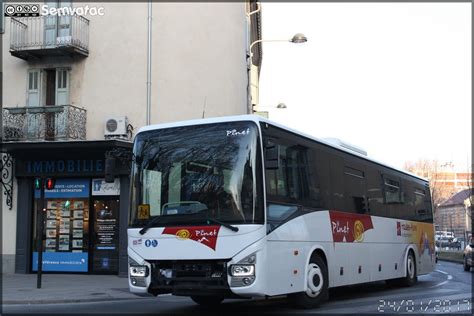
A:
[(257, 119)]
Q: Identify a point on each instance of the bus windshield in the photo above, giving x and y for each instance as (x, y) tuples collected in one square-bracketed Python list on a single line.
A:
[(195, 175)]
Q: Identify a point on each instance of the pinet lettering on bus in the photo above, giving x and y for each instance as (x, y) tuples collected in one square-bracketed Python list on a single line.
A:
[(243, 207)]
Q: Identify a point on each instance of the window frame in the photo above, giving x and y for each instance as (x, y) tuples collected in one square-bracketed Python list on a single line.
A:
[(386, 184), (285, 171)]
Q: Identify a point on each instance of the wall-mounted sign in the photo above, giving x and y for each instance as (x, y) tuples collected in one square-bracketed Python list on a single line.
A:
[(60, 167), (100, 187), (62, 261), (67, 188)]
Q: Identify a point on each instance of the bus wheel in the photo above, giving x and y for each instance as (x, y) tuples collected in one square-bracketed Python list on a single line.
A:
[(411, 277), (316, 286), (207, 300)]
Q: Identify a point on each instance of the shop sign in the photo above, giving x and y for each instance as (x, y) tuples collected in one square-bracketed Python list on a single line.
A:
[(100, 187), (106, 230), (70, 166), (67, 188), (62, 261)]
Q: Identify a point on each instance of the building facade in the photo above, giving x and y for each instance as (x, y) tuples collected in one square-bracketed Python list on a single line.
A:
[(76, 87), (455, 214)]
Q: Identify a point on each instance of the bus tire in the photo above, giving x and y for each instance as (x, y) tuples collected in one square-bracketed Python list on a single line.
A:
[(317, 286), (411, 278), (207, 300)]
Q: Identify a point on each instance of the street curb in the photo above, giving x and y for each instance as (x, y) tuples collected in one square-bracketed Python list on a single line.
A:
[(85, 300), (451, 260)]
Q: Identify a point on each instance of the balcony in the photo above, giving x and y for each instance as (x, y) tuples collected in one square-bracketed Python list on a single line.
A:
[(42, 36), (62, 122)]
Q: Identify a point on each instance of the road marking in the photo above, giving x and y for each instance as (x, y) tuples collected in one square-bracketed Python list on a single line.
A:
[(450, 277)]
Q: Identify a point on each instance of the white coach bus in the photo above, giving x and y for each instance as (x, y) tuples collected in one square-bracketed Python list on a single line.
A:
[(242, 207)]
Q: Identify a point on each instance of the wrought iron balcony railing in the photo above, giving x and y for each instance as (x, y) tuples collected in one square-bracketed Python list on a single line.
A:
[(36, 37), (62, 122)]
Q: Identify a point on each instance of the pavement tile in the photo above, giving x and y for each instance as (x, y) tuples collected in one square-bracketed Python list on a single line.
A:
[(63, 288)]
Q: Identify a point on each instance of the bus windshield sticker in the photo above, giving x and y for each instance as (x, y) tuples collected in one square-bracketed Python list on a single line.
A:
[(235, 132), (143, 211)]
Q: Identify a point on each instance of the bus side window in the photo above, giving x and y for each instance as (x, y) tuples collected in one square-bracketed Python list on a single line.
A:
[(374, 194), (422, 205), (277, 179), (278, 213), (289, 181), (355, 190), (337, 183), (319, 179)]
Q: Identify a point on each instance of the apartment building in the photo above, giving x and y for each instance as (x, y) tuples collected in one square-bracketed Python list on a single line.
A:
[(76, 87), (455, 214)]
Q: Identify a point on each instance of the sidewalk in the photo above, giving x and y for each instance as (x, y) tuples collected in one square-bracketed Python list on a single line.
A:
[(63, 288)]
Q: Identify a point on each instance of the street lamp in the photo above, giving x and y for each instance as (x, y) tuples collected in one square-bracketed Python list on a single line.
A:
[(298, 38), (279, 106)]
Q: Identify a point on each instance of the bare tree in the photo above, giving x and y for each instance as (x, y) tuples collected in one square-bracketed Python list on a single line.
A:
[(432, 170)]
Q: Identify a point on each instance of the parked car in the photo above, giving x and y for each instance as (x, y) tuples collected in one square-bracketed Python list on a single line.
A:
[(468, 255), (455, 245), (444, 242)]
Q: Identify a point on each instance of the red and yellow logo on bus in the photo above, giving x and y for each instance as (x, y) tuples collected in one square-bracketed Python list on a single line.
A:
[(358, 230), (183, 234), (348, 227), (205, 235)]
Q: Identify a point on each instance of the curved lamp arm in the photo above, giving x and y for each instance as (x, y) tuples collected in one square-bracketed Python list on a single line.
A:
[(297, 39)]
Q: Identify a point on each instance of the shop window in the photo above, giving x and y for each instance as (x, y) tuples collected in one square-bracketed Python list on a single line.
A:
[(66, 240)]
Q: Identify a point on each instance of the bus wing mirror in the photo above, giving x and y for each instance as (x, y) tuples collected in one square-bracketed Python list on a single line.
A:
[(272, 156)]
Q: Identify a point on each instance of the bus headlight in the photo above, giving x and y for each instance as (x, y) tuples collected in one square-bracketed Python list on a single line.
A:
[(138, 271), (242, 270)]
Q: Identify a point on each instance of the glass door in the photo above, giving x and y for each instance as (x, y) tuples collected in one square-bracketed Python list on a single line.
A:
[(105, 235)]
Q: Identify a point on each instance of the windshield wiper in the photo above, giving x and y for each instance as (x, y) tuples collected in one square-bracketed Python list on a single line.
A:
[(150, 224), (157, 219), (215, 221)]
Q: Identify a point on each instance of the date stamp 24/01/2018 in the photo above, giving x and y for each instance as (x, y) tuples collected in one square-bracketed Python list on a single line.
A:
[(425, 306)]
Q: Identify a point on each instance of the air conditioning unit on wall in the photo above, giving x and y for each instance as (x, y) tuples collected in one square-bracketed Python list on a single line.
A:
[(115, 127)]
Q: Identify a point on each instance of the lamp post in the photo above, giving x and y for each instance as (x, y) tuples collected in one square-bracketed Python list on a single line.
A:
[(279, 106), (298, 38)]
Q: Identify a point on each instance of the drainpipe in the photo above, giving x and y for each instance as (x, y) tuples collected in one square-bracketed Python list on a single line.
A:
[(148, 66), (249, 57)]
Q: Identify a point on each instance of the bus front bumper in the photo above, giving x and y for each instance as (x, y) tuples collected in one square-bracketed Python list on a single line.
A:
[(186, 277)]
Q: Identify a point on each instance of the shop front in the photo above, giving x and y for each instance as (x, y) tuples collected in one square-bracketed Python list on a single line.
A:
[(84, 217)]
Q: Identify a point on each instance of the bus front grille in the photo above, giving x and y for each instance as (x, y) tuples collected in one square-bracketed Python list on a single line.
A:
[(186, 277)]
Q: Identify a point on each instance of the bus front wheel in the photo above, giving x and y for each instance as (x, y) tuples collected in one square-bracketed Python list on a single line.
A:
[(207, 300), (316, 285)]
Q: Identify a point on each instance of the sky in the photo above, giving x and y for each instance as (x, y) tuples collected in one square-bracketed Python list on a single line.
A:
[(393, 79)]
